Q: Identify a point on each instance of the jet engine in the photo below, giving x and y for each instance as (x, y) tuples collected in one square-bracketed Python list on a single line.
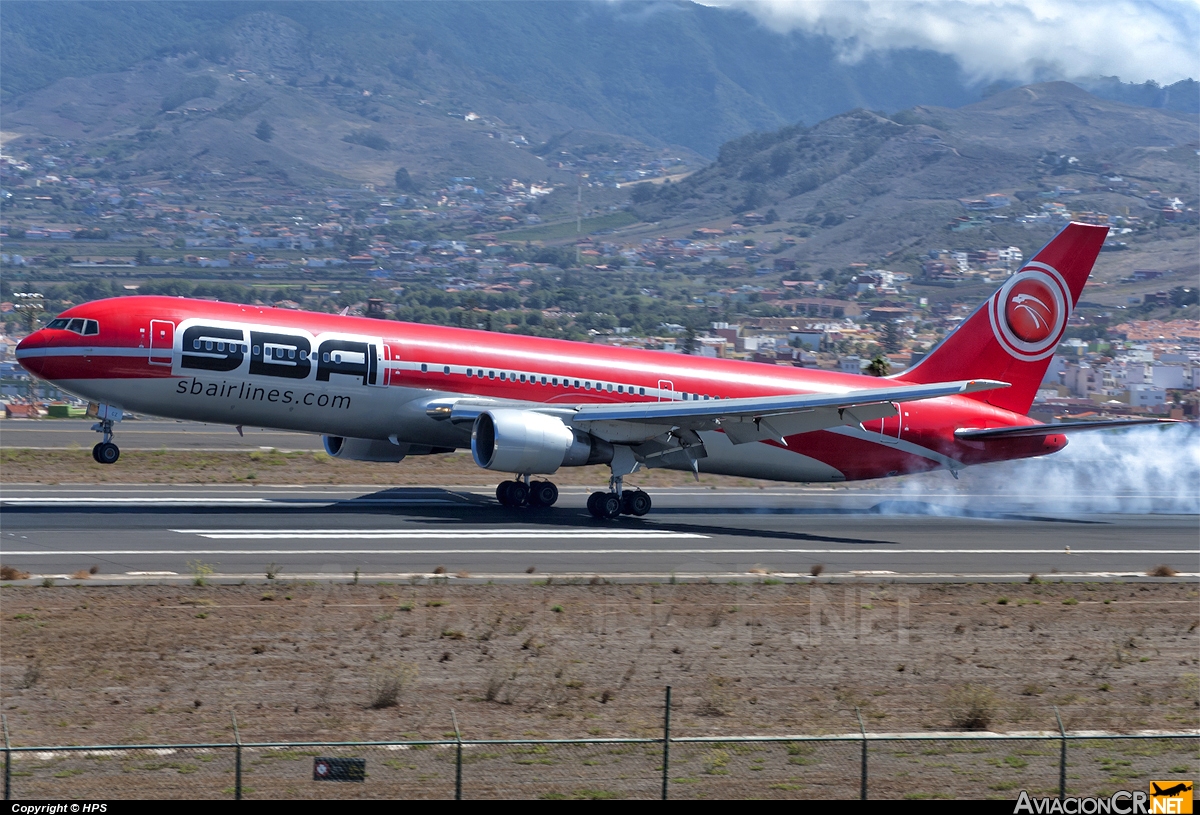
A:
[(524, 441), (364, 449)]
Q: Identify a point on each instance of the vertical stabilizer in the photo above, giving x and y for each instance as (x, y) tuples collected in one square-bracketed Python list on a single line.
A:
[(1013, 334)]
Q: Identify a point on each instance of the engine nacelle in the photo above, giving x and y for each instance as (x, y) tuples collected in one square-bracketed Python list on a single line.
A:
[(364, 449), (524, 441)]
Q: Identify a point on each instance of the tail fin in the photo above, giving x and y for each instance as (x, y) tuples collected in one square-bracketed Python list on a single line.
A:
[(1013, 334)]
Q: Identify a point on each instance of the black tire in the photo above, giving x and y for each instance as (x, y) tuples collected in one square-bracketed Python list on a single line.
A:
[(610, 505), (593, 504), (518, 494), (502, 492), (635, 503), (107, 453), (543, 494), (96, 452)]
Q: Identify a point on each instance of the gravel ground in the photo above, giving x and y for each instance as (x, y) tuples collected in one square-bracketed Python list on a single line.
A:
[(95, 664)]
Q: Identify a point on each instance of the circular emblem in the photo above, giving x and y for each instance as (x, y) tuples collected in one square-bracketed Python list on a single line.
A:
[(1029, 313), (1029, 310), (322, 769)]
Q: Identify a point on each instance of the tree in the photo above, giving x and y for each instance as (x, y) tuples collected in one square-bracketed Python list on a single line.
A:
[(264, 131), (689, 339), (404, 181), (891, 337), (879, 366)]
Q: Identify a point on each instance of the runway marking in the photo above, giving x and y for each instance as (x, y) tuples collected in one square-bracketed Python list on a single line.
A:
[(524, 551), (446, 534), (209, 502)]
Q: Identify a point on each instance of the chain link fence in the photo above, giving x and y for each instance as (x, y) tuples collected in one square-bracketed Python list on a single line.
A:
[(879, 766)]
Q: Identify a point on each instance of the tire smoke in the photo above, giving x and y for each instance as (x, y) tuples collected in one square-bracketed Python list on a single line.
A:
[(1136, 471)]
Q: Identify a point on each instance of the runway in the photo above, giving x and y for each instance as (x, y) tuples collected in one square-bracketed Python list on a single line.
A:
[(236, 532), (152, 434)]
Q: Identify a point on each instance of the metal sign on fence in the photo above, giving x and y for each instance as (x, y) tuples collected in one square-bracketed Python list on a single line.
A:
[(339, 769)]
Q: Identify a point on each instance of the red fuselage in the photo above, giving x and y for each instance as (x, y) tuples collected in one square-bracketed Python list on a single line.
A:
[(375, 379)]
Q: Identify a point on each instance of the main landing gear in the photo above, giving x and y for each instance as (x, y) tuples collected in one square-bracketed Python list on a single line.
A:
[(617, 501), (526, 493), (105, 452)]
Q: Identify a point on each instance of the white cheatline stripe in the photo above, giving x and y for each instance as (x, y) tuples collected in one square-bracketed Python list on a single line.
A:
[(440, 534), (604, 551), (188, 502)]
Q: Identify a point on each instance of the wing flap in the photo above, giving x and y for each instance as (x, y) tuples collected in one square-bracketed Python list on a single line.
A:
[(756, 408)]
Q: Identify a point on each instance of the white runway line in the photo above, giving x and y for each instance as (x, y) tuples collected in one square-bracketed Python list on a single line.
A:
[(438, 534), (605, 551), (211, 502)]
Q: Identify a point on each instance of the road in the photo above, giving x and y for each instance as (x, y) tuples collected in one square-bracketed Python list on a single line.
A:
[(62, 434), (134, 533)]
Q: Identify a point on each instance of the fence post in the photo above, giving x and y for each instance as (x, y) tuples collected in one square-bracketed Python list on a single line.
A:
[(457, 758), (666, 761), (237, 759), (862, 793), (7, 761), (1062, 757)]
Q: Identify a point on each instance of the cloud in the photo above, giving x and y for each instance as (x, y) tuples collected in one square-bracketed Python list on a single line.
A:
[(1027, 40)]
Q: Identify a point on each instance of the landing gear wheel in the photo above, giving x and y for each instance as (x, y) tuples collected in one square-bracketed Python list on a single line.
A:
[(106, 453), (518, 494), (593, 504), (610, 505), (542, 494), (96, 452), (502, 492), (635, 502)]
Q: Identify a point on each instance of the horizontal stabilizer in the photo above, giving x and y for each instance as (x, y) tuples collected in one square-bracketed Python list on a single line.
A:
[(1023, 431)]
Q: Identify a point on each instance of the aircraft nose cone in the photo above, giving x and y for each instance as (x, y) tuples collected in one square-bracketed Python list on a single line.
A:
[(26, 352)]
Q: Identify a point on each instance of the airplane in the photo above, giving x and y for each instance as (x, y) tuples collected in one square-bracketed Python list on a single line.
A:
[(380, 390), (1171, 792)]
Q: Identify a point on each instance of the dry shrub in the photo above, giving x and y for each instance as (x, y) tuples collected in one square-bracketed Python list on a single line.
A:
[(715, 698), (758, 570), (387, 682), (440, 570), (463, 574), (33, 672), (971, 707), (816, 569), (94, 569), (531, 570), (12, 573), (1162, 570), (82, 574)]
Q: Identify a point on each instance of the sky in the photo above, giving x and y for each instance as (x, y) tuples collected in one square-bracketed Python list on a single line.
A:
[(1025, 40)]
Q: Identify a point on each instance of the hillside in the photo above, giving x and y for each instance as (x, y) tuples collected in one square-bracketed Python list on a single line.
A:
[(666, 73), (864, 187)]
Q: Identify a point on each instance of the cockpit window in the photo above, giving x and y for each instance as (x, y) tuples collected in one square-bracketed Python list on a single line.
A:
[(87, 328)]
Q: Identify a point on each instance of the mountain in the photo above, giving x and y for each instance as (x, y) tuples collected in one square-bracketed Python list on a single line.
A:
[(861, 186), (667, 73)]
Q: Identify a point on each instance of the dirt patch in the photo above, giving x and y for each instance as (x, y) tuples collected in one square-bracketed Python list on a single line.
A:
[(25, 466), (93, 664)]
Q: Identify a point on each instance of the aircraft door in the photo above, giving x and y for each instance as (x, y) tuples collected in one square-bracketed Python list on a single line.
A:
[(669, 387), (162, 342)]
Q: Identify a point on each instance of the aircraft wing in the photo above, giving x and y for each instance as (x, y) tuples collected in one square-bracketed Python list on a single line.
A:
[(767, 417), (1022, 431)]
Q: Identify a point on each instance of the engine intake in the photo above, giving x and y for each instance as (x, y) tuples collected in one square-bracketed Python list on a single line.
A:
[(524, 441)]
